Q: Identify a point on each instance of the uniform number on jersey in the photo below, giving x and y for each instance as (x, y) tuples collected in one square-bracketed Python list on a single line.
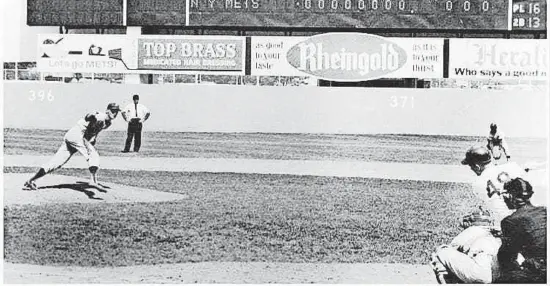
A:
[(41, 95)]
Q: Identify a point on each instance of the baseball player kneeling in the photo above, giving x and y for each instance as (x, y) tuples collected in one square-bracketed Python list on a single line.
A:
[(81, 138)]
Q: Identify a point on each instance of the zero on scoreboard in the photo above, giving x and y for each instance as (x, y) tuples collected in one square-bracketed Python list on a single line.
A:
[(386, 14)]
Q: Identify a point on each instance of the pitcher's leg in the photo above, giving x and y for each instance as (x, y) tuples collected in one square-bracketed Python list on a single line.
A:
[(93, 161), (63, 154)]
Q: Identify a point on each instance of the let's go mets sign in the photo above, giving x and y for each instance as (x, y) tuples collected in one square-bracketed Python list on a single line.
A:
[(347, 56)]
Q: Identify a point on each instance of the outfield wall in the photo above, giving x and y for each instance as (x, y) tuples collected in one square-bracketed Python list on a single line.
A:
[(212, 108)]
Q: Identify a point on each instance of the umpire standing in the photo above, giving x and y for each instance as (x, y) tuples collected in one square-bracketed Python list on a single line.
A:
[(135, 114)]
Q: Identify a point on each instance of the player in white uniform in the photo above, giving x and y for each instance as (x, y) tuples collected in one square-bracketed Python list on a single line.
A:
[(81, 138), (497, 145), (472, 255)]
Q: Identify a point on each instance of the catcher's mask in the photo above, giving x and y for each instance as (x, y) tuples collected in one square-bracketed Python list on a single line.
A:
[(477, 218)]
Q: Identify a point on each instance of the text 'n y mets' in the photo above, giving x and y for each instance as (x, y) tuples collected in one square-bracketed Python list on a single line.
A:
[(313, 58)]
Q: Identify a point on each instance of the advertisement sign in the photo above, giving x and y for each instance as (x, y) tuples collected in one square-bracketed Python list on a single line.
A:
[(347, 57), (141, 54), (196, 53), (498, 58), (83, 53)]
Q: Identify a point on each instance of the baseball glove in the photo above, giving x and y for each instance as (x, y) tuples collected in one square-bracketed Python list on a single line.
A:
[(478, 218)]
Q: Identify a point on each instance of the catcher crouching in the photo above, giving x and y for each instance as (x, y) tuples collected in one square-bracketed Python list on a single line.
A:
[(484, 254)]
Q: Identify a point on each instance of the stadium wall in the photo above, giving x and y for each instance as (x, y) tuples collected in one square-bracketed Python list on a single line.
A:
[(212, 108)]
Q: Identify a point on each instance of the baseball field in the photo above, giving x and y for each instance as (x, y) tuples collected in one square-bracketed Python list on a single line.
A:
[(239, 207)]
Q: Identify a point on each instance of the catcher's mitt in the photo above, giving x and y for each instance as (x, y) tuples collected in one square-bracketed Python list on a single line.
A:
[(478, 218)]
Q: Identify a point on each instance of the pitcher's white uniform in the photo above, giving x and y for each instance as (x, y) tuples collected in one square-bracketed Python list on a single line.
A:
[(81, 138)]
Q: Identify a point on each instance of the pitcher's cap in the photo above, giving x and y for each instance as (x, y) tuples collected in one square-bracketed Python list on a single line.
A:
[(113, 106)]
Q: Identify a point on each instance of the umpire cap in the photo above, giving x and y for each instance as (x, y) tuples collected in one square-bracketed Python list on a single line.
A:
[(113, 107), (477, 155), (519, 188)]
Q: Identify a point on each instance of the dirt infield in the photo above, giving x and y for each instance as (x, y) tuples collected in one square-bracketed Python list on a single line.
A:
[(359, 169), (64, 189), (225, 272)]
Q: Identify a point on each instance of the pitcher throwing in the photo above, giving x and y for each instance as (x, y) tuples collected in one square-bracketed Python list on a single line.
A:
[(81, 138)]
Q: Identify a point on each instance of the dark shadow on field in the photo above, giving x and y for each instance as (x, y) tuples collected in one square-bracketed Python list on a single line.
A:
[(82, 187), (103, 188)]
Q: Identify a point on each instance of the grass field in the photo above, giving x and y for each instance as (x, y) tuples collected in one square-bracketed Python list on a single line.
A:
[(383, 148), (229, 217), (241, 217)]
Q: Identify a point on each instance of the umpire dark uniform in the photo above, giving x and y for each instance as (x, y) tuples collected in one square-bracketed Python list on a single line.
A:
[(524, 232), (135, 114)]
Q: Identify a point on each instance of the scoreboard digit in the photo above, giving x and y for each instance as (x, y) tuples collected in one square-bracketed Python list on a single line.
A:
[(94, 13), (528, 15), (389, 14)]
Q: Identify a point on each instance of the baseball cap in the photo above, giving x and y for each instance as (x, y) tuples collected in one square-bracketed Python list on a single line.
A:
[(135, 97), (113, 106)]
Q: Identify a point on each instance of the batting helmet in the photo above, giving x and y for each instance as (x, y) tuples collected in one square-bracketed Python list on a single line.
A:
[(477, 156)]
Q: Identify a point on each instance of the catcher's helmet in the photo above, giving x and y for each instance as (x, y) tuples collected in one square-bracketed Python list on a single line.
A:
[(477, 156), (519, 189)]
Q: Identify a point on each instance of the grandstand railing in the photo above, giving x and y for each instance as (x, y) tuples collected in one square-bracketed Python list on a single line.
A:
[(26, 71)]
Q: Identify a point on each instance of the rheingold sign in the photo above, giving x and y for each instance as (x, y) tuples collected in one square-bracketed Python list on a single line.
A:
[(347, 56)]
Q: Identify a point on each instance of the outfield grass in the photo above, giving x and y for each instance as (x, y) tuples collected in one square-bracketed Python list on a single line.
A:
[(241, 218), (425, 149)]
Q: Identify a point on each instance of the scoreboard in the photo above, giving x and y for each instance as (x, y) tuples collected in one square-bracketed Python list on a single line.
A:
[(156, 13), (528, 15), (75, 13), (396, 14), (382, 14)]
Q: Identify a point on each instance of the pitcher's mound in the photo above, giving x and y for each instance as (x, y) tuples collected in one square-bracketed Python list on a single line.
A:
[(66, 189)]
